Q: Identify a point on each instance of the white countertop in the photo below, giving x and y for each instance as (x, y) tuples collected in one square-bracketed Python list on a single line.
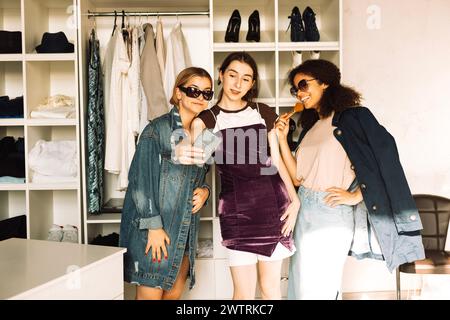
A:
[(28, 264)]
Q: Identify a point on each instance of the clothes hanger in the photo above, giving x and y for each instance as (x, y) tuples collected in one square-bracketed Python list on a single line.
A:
[(124, 30), (115, 22)]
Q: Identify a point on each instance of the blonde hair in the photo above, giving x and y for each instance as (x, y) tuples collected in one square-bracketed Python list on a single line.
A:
[(184, 77)]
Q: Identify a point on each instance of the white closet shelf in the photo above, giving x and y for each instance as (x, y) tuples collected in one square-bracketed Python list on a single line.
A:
[(104, 218), (287, 102), (12, 122), (309, 46), (51, 122), (11, 57), (271, 102), (244, 46), (53, 186), (50, 57), (206, 219), (13, 187)]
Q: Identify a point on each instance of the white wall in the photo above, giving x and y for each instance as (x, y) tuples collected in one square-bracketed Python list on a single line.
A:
[(401, 64)]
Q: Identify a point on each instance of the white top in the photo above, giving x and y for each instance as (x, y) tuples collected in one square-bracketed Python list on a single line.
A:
[(177, 59), (28, 264)]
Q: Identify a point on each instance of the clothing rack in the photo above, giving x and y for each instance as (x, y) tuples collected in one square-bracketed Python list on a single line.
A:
[(91, 14)]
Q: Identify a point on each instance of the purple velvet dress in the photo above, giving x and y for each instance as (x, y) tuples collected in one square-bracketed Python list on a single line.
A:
[(251, 202)]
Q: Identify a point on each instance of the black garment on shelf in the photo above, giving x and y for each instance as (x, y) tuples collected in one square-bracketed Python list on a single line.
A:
[(12, 157), (13, 228), (113, 205), (11, 108), (10, 41), (55, 43), (111, 240)]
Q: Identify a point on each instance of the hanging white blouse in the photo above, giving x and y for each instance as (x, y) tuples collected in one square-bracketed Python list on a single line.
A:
[(107, 69), (130, 111), (160, 47), (177, 58), (117, 125)]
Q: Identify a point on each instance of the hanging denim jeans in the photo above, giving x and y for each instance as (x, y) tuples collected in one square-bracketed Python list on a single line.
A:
[(323, 236)]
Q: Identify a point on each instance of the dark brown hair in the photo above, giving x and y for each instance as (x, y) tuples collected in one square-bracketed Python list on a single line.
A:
[(336, 97), (245, 58)]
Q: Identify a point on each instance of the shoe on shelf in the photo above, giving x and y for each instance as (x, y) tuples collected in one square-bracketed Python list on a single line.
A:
[(253, 33), (315, 55), (309, 18), (296, 25), (296, 58), (70, 234), (55, 233), (234, 25)]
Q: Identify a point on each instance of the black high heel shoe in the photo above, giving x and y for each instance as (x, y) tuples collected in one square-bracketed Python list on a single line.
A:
[(234, 25), (296, 24), (253, 33), (311, 31)]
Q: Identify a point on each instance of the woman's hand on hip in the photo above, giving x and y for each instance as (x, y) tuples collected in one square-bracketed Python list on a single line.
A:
[(157, 240), (199, 198), (338, 196), (290, 217)]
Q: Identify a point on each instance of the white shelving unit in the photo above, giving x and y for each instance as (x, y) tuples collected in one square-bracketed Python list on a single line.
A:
[(37, 76), (205, 38)]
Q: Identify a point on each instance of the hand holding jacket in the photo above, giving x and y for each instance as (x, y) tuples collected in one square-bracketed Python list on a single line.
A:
[(200, 196)]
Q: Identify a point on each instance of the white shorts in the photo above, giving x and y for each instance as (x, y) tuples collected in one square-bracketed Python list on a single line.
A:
[(242, 258)]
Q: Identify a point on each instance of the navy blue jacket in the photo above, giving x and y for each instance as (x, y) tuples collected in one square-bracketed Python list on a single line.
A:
[(391, 208)]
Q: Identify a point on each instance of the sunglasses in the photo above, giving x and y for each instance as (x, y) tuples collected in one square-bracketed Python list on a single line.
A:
[(302, 86), (193, 92)]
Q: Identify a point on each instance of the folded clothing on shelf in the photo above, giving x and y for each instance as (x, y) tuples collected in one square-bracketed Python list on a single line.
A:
[(54, 158), (55, 107), (15, 227), (8, 179), (10, 41), (113, 205), (40, 178), (11, 108), (205, 248), (12, 157), (111, 240)]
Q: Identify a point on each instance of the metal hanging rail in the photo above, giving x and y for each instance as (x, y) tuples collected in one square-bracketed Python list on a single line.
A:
[(91, 14)]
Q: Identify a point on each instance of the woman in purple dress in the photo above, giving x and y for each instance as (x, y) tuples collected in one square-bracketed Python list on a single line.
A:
[(258, 205)]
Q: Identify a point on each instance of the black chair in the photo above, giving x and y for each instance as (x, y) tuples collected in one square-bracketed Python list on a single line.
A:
[(435, 214)]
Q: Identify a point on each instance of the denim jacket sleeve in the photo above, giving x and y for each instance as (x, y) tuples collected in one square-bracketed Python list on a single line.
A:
[(385, 151), (146, 171)]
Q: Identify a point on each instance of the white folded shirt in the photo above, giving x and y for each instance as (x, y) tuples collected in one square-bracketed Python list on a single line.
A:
[(66, 112), (40, 178), (54, 158)]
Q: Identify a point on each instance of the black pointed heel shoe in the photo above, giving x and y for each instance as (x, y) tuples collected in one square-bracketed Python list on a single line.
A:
[(296, 25), (253, 33), (234, 25), (309, 17)]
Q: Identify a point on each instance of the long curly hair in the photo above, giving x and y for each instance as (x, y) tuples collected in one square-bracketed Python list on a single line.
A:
[(336, 97)]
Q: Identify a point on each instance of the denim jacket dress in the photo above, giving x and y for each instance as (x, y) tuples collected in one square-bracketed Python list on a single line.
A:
[(159, 195), (387, 201)]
